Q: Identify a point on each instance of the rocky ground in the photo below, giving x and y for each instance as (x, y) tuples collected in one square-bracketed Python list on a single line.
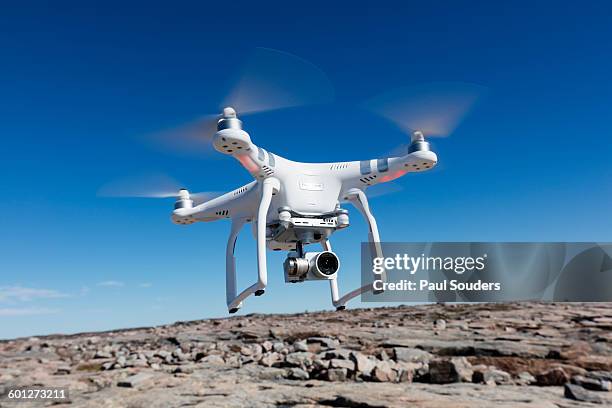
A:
[(482, 355)]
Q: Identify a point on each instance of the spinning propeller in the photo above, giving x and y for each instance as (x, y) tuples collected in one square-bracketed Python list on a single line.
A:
[(270, 80), (434, 109), (154, 185)]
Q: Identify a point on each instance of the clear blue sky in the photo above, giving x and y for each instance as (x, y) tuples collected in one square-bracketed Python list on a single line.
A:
[(80, 82)]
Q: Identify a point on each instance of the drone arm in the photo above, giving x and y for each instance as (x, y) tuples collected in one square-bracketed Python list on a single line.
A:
[(237, 143), (365, 173), (269, 187), (234, 204)]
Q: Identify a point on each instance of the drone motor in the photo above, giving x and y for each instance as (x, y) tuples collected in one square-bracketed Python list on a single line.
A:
[(418, 143), (183, 200)]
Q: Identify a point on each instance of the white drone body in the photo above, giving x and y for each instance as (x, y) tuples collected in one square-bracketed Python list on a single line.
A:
[(293, 204)]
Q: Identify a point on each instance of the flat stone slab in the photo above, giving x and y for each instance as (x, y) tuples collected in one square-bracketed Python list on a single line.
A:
[(136, 380)]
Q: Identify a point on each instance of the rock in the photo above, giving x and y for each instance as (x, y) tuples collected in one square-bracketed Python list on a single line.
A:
[(269, 359), (234, 361), (600, 375), (445, 371), (299, 359), (272, 374), (246, 359), (337, 353), (100, 383), (102, 354), (246, 350), (139, 363), (267, 346), (440, 324), (595, 363), (383, 372), (336, 374), (323, 341), (458, 325), (298, 374), (121, 361), (555, 376), (592, 384), (411, 355), (383, 355), (525, 378), (184, 369), (405, 375), (497, 348), (490, 375), (510, 348), (256, 350), (576, 392), (278, 346), (363, 364), (63, 370), (320, 364), (338, 363), (408, 371), (173, 340), (134, 381), (212, 359), (179, 355), (300, 346)]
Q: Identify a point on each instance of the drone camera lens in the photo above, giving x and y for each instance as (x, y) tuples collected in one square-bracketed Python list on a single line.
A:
[(327, 263)]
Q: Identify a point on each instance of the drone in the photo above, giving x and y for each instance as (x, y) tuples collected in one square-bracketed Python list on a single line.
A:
[(293, 205)]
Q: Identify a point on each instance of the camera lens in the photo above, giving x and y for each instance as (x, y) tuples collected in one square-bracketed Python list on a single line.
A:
[(327, 263)]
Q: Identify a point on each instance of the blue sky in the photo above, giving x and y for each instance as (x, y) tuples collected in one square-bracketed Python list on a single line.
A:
[(79, 83)]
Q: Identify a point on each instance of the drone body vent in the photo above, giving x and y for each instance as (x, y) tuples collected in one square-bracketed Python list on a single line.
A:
[(240, 191), (267, 171), (339, 166), (368, 179)]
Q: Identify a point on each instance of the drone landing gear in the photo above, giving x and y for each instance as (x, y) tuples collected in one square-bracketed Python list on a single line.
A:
[(234, 302), (360, 201)]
